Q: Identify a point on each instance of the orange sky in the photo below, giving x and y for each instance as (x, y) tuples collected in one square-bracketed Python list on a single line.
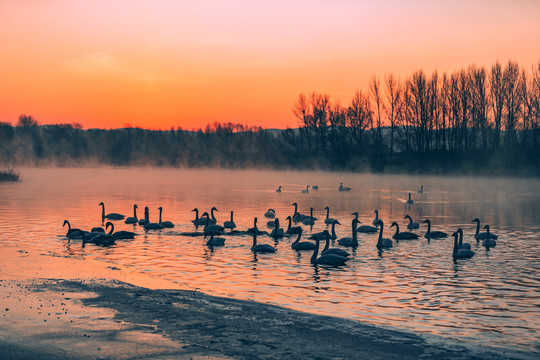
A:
[(162, 64)]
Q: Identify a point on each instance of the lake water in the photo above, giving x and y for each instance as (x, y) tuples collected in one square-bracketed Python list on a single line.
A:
[(492, 299)]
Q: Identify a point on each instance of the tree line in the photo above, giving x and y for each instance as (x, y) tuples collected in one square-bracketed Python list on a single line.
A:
[(475, 120)]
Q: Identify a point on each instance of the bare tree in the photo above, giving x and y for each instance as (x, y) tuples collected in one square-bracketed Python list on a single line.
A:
[(393, 107), (497, 100)]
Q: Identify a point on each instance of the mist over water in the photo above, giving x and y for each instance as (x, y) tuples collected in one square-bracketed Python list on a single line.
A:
[(491, 299)]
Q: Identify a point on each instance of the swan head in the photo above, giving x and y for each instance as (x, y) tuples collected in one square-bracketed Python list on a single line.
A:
[(205, 214), (426, 221), (460, 231), (65, 222), (407, 217), (455, 234), (214, 209), (101, 204), (288, 218), (160, 208), (476, 220), (394, 224), (376, 211), (486, 227)]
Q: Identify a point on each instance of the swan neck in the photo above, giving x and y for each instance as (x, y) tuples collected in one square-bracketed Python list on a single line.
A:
[(327, 245), (112, 229), (316, 252), (290, 222), (160, 211), (297, 239), (327, 213), (477, 227)]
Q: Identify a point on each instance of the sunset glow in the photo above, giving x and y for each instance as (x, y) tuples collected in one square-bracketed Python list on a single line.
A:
[(184, 64)]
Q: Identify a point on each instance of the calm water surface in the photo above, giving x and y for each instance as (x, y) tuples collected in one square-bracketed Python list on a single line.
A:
[(491, 299)]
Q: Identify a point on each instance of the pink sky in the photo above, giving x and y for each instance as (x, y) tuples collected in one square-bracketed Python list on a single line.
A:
[(162, 64)]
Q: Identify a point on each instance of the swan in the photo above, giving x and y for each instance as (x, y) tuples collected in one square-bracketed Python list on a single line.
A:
[(421, 191), (293, 229), (328, 220), (309, 220), (133, 219), (151, 226), (433, 234), (350, 241), (461, 244), (383, 242), (212, 216), (460, 253), (297, 217), (482, 235), (366, 229), (198, 220), (343, 188), (334, 236), (326, 259), (261, 248), (403, 235), (166, 224), (306, 190), (146, 219), (101, 239), (211, 228), (230, 224), (410, 201), (411, 225), (376, 220), (323, 235), (73, 233), (336, 251), (111, 216), (214, 241), (270, 214), (488, 241), (315, 187), (278, 190), (304, 245), (119, 235), (277, 232)]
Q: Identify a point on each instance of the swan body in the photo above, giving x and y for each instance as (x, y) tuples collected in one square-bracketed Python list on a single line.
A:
[(304, 245), (488, 241), (260, 248), (277, 232), (211, 228), (403, 235), (410, 201), (460, 253), (433, 234), (73, 233), (328, 220), (119, 235), (350, 241), (343, 188), (111, 216), (336, 251), (149, 225), (133, 219), (293, 229), (102, 239), (270, 214), (215, 241), (230, 224), (166, 224), (326, 259), (482, 235), (383, 242), (365, 229), (309, 220), (411, 225), (198, 220)]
